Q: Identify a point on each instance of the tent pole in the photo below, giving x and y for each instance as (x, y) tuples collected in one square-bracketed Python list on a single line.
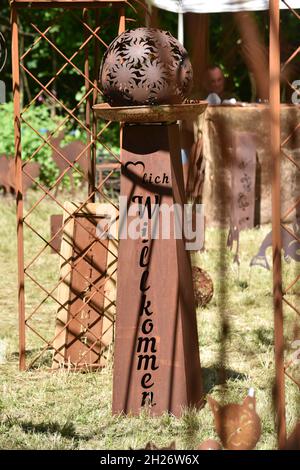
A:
[(180, 28), (275, 151)]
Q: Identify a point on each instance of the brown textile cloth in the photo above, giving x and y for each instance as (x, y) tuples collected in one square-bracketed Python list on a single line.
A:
[(196, 173)]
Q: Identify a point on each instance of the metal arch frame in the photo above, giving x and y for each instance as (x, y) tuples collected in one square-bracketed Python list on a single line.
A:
[(91, 129), (278, 220)]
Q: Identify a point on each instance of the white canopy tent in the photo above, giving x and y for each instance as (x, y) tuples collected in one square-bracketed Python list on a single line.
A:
[(214, 6), (217, 6)]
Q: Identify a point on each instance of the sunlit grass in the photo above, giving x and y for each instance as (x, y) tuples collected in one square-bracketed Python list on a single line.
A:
[(65, 410)]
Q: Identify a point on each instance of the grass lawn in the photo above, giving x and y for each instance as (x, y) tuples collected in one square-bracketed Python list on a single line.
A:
[(63, 410)]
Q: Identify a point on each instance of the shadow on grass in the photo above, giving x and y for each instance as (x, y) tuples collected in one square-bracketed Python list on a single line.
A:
[(264, 336), (211, 377), (44, 361), (15, 354), (66, 430)]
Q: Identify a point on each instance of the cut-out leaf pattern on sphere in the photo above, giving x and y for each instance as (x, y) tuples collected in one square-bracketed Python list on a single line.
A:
[(145, 66), (154, 75)]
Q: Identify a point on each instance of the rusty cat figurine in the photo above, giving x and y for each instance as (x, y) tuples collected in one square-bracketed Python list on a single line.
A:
[(238, 426), (293, 441)]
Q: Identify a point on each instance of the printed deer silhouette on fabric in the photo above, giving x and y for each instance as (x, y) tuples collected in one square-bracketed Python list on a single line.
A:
[(70, 151)]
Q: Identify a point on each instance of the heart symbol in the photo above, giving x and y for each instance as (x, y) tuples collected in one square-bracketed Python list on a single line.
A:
[(135, 164)]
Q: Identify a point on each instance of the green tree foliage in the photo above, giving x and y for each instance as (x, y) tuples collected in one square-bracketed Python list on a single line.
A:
[(40, 119), (67, 34), (225, 47), (43, 62)]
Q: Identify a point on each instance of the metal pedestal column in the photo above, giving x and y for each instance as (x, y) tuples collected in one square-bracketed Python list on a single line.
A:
[(156, 346)]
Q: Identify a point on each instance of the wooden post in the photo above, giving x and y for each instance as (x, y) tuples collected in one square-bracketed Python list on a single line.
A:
[(197, 43), (275, 149)]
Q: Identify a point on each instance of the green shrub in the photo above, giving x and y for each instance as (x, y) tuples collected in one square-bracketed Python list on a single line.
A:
[(39, 118)]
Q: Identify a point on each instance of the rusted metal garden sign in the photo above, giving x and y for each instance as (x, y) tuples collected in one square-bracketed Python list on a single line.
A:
[(156, 346), (156, 361)]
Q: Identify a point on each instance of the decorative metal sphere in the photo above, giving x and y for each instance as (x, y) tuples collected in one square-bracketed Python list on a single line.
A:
[(145, 66), (203, 286), (210, 444)]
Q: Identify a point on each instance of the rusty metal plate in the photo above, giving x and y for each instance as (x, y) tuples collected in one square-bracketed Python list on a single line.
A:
[(85, 320), (4, 174), (67, 155), (81, 336), (156, 346), (161, 113), (56, 222), (31, 171)]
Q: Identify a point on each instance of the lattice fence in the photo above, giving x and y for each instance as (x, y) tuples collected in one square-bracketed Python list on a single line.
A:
[(290, 290), (285, 224), (67, 271)]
